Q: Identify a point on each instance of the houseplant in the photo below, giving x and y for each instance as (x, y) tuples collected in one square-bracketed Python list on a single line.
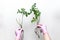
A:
[(33, 9), (36, 17)]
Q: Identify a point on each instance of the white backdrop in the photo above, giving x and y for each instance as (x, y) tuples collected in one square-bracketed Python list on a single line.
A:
[(50, 15)]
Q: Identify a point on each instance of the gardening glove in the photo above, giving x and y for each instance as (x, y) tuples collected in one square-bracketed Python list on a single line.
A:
[(42, 28), (18, 33)]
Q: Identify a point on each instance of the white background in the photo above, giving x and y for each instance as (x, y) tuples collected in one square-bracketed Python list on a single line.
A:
[(50, 16)]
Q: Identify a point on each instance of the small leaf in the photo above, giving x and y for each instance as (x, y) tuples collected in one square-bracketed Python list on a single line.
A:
[(22, 9), (33, 20), (30, 10), (18, 11), (26, 15), (29, 13)]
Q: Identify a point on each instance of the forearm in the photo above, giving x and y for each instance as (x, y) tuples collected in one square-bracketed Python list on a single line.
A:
[(17, 39), (46, 36)]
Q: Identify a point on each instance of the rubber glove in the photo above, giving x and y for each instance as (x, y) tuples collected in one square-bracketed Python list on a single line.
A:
[(42, 28), (19, 33)]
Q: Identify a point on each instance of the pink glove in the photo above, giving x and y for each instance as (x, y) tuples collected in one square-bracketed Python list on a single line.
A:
[(19, 34), (42, 27)]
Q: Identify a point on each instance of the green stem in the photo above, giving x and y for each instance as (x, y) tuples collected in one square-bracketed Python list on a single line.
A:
[(22, 21)]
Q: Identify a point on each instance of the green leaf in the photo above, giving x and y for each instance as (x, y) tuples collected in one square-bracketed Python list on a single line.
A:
[(22, 9), (18, 11), (33, 20)]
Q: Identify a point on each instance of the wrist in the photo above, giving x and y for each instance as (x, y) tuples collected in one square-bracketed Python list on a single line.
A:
[(45, 32)]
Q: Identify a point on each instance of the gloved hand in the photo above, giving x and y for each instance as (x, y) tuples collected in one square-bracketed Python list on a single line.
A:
[(18, 33), (42, 28)]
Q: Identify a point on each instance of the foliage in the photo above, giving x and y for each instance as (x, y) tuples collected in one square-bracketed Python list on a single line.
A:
[(33, 9)]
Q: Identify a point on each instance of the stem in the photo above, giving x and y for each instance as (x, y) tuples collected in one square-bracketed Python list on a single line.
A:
[(38, 20), (18, 23), (22, 21), (37, 24)]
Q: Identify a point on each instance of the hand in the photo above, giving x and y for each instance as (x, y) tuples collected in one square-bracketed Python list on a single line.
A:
[(18, 33), (42, 27)]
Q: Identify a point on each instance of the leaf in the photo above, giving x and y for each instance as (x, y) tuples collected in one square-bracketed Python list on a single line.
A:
[(22, 9), (26, 15), (18, 11), (30, 11), (33, 20)]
